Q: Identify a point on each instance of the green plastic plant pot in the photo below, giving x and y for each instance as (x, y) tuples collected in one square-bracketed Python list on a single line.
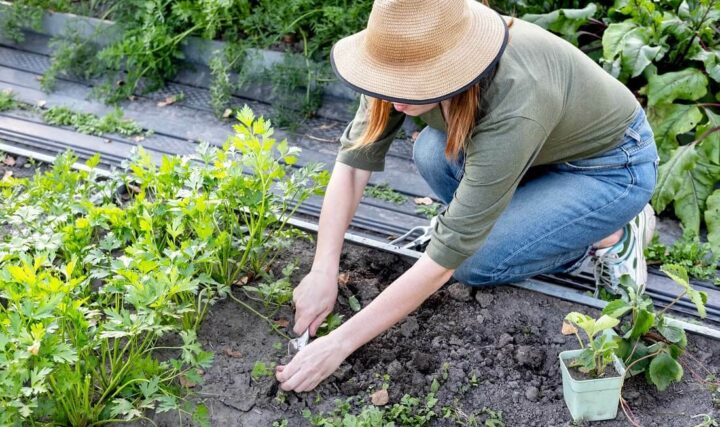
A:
[(594, 399)]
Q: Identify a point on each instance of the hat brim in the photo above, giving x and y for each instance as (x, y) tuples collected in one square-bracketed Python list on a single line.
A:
[(431, 81)]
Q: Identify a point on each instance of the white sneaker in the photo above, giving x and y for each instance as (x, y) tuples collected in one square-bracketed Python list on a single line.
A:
[(626, 256)]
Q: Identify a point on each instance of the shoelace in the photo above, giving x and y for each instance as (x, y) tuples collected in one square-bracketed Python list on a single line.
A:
[(603, 276)]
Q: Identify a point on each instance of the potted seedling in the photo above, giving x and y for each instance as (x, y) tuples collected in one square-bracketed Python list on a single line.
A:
[(592, 375)]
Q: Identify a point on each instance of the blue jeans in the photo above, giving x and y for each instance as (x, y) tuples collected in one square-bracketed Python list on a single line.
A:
[(558, 210)]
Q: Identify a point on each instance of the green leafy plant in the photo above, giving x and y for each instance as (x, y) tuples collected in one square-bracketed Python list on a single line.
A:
[(597, 353), (261, 369), (697, 258), (73, 56), (90, 124), (331, 323), (667, 53), (7, 100), (384, 192), (275, 292), (649, 343), (429, 211), (94, 271), (410, 411)]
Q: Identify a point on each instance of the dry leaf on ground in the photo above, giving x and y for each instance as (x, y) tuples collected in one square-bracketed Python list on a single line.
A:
[(186, 382), (242, 281), (167, 101), (281, 322), (9, 161), (343, 279), (423, 201), (232, 353), (7, 175), (380, 397), (227, 113), (568, 329)]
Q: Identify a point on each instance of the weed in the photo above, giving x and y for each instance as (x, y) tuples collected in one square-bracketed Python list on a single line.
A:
[(429, 211), (72, 56), (384, 192), (331, 323), (410, 411), (261, 370), (7, 100), (90, 124), (275, 292), (696, 257), (296, 89)]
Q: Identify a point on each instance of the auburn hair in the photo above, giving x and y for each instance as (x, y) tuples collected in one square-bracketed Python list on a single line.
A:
[(462, 114)]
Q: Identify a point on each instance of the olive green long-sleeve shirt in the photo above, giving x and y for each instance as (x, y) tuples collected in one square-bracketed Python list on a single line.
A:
[(547, 103)]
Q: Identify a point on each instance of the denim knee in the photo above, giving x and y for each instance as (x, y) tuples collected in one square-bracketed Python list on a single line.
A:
[(428, 151), (442, 175)]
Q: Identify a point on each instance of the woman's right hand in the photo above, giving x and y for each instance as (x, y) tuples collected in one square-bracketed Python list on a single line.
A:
[(314, 300)]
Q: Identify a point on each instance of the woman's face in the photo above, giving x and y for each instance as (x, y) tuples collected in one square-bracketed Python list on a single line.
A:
[(413, 110)]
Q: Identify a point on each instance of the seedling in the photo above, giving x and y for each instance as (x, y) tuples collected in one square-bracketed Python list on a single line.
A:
[(598, 351), (649, 342), (261, 369), (331, 323), (428, 211), (7, 100)]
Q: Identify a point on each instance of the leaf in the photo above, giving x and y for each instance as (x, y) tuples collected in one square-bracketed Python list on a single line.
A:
[(711, 60), (169, 100), (9, 161), (643, 322), (425, 201), (380, 397), (671, 333), (672, 174), (690, 84), (354, 304), (677, 273), (614, 39), (232, 353), (664, 370), (563, 21), (616, 308), (343, 279), (201, 416), (712, 220), (670, 120), (281, 322), (568, 329), (605, 322)]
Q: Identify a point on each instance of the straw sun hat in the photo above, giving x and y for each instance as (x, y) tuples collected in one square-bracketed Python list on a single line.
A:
[(421, 51)]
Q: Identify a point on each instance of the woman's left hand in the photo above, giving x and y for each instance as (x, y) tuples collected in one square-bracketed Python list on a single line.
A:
[(311, 365)]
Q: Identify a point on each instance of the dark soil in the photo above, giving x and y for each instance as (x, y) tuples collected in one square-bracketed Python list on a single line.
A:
[(508, 338)]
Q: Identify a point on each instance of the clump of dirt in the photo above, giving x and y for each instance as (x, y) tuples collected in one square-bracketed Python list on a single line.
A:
[(492, 347)]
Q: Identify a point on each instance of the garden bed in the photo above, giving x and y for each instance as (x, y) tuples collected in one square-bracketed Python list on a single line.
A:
[(469, 357), (497, 348)]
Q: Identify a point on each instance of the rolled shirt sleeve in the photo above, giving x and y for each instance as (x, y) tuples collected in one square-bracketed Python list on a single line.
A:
[(496, 158), (371, 157)]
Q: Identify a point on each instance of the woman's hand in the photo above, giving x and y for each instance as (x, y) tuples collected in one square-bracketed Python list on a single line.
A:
[(312, 364), (314, 299)]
